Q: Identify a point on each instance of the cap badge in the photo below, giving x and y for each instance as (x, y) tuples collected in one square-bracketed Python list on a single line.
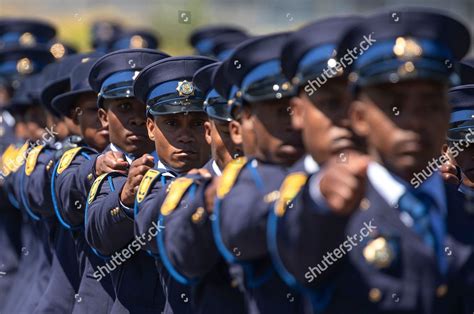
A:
[(185, 88), (27, 40)]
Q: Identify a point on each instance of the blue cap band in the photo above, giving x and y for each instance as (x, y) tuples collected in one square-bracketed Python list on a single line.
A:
[(462, 115), (204, 46), (163, 89), (119, 84), (315, 55), (267, 69), (384, 50), (13, 38)]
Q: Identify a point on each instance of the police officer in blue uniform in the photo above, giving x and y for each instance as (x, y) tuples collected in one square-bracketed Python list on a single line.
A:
[(108, 216), (186, 242), (24, 52), (71, 180), (60, 268), (320, 114), (175, 120), (391, 256), (459, 151), (271, 145)]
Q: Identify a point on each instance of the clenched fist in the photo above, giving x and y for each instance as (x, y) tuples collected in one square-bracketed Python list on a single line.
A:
[(138, 168), (343, 184), (111, 161), (449, 172), (210, 192)]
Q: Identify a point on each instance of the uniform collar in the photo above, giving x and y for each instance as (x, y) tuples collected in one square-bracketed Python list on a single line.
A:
[(168, 172), (216, 168), (310, 165), (391, 187)]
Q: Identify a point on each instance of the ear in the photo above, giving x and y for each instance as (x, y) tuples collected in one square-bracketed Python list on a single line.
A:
[(297, 106), (104, 119), (75, 114), (208, 129), (358, 114), (150, 126), (235, 130)]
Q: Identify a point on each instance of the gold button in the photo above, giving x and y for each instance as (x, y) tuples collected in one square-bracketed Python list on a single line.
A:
[(49, 165), (90, 176), (198, 215), (441, 291), (375, 295), (364, 204)]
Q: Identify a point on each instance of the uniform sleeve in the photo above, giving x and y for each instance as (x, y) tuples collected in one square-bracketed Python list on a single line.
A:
[(108, 228), (241, 216), (146, 216), (36, 193), (70, 190), (12, 188), (188, 240), (306, 232)]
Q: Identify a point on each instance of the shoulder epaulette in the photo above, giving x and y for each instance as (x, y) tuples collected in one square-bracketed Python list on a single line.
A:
[(288, 190), (229, 175), (177, 189), (145, 184)]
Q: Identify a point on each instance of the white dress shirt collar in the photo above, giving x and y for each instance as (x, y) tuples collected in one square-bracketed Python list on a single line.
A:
[(310, 165), (391, 187)]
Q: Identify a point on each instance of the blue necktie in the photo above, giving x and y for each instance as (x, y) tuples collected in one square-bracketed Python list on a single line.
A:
[(428, 222), (418, 208)]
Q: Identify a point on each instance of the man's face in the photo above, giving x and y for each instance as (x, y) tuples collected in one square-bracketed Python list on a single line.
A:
[(223, 148), (126, 119), (36, 121), (5, 95), (180, 140), (405, 124), (72, 126), (21, 129), (95, 135), (269, 126), (323, 120)]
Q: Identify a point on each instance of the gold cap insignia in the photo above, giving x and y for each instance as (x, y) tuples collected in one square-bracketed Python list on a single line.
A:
[(185, 88), (27, 40), (138, 41), (58, 50), (407, 48), (24, 66)]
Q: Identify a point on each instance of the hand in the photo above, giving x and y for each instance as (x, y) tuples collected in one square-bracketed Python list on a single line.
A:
[(343, 184), (449, 173), (211, 188), (201, 172), (138, 168), (111, 161)]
